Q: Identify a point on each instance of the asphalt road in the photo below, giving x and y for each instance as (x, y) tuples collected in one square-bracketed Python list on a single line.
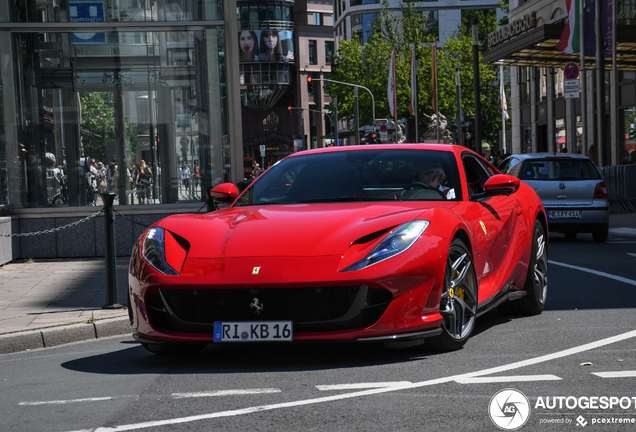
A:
[(580, 351)]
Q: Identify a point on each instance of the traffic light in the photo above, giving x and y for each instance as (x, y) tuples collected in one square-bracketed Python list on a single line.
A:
[(372, 138), (289, 111), (632, 133), (310, 85)]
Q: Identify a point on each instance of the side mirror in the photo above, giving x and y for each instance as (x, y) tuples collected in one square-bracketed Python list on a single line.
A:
[(501, 183), (224, 191), (221, 196)]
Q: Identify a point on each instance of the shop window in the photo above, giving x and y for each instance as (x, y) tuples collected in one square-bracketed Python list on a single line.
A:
[(559, 91), (560, 134), (543, 84), (579, 134), (527, 140), (626, 76), (629, 120), (87, 116), (523, 79)]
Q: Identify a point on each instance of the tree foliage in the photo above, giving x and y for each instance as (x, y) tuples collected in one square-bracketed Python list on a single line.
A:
[(368, 66), (98, 116)]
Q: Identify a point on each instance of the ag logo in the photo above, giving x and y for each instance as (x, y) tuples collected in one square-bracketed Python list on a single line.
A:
[(509, 409)]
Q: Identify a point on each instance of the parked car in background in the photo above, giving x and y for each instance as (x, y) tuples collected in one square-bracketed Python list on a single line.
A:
[(571, 188)]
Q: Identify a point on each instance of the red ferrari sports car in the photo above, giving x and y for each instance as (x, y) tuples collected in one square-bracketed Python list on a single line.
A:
[(395, 243)]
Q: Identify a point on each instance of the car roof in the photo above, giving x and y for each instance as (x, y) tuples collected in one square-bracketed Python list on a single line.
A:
[(548, 156), (424, 146)]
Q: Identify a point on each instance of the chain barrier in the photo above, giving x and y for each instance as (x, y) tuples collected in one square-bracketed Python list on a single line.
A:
[(129, 219), (52, 230)]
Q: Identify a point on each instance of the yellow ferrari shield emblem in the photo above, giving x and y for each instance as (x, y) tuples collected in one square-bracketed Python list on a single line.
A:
[(483, 226), (451, 293), (256, 270)]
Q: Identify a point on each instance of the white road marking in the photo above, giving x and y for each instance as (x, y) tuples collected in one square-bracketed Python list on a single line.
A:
[(620, 374), (225, 393), (598, 273), (61, 402), (405, 386), (358, 386), (505, 379), (632, 254)]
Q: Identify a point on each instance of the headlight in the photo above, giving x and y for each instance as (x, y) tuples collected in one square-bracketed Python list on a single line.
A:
[(398, 240), (164, 251)]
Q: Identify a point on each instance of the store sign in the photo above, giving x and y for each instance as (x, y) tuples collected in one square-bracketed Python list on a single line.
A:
[(512, 29), (87, 12), (625, 16)]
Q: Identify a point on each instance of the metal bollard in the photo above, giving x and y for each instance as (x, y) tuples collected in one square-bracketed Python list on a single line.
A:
[(112, 296)]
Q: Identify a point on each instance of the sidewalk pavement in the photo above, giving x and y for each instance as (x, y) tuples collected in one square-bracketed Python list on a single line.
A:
[(52, 302), (56, 301)]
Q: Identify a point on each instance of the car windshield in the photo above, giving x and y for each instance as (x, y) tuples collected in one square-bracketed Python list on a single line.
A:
[(357, 175), (559, 169)]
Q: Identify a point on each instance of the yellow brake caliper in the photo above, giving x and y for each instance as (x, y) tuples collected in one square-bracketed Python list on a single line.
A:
[(459, 292)]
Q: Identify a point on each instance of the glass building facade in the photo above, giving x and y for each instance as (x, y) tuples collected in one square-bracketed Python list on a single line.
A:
[(91, 91)]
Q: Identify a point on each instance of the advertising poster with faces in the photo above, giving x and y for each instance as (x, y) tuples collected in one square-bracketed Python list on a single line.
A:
[(266, 45)]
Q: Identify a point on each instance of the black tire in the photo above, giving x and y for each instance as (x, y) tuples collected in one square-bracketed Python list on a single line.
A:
[(536, 283), (600, 236), (570, 235), (458, 304)]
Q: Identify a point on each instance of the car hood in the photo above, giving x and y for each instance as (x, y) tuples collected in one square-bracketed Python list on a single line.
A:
[(290, 230)]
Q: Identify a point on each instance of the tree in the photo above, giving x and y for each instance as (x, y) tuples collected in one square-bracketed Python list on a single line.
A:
[(98, 117), (369, 66)]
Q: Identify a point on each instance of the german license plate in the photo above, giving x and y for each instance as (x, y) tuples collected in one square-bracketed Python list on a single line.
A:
[(564, 214), (253, 331)]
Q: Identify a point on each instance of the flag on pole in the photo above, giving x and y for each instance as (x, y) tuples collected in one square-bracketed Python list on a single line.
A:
[(434, 80), (413, 81), (391, 86), (589, 32), (606, 26), (570, 38), (502, 93)]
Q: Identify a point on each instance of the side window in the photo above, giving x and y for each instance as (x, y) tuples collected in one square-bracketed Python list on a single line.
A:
[(476, 174), (513, 169), (505, 166)]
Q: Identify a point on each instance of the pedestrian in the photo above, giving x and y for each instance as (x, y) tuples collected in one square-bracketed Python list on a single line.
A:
[(143, 181), (186, 176)]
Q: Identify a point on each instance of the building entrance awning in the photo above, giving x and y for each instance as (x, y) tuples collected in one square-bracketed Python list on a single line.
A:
[(536, 48)]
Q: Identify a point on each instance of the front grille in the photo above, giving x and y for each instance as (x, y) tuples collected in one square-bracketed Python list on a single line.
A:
[(310, 308)]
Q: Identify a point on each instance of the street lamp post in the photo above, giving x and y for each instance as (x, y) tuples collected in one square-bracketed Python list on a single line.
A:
[(459, 107), (475, 31), (310, 79), (316, 111)]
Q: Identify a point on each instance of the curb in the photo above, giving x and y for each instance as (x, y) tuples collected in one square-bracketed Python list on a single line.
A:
[(623, 232), (55, 336)]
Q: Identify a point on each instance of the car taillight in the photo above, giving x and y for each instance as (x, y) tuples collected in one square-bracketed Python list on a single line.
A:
[(600, 191)]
